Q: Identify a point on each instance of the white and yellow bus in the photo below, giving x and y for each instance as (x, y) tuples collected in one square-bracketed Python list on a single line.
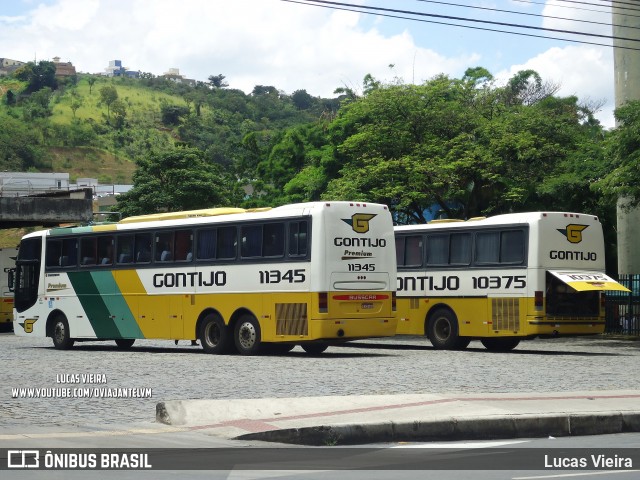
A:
[(502, 279), (7, 262), (308, 274)]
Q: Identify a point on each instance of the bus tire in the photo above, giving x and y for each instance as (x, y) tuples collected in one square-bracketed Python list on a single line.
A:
[(247, 335), (60, 333), (442, 330), (315, 348), (504, 344), (125, 343), (214, 335)]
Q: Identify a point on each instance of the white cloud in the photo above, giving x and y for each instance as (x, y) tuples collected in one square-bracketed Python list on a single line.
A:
[(270, 42), (251, 42), (584, 71)]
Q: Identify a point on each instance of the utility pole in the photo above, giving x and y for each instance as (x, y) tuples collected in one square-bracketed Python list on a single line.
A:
[(626, 68)]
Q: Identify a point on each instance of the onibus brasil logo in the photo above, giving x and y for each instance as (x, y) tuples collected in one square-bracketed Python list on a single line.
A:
[(359, 222), (573, 232)]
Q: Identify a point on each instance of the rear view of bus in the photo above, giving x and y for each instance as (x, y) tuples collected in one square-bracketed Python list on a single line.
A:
[(355, 271), (567, 275), (502, 279)]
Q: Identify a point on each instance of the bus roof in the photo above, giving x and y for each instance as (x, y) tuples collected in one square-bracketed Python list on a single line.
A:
[(504, 219), (200, 217)]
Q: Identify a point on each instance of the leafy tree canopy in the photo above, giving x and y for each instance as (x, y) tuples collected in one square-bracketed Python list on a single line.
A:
[(175, 180), (37, 76), (623, 157)]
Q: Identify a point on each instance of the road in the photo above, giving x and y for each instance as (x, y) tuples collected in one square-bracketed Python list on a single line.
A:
[(382, 366)]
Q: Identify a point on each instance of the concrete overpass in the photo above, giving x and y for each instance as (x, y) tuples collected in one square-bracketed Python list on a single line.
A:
[(47, 210)]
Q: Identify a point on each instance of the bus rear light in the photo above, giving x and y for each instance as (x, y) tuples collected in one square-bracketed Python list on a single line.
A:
[(323, 302), (393, 302), (538, 299)]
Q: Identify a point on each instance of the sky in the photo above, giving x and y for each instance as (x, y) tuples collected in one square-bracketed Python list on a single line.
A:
[(292, 46)]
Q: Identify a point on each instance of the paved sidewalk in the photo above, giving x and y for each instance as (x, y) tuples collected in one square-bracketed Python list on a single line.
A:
[(385, 418)]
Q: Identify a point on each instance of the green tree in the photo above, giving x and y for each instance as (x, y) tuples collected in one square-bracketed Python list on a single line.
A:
[(108, 95), (175, 180), (38, 105), (20, 146), (217, 81), (171, 114), (91, 80), (119, 109), (37, 76), (463, 147), (623, 157), (302, 100)]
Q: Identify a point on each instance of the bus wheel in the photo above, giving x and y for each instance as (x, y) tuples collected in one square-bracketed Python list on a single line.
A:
[(214, 334), (125, 343), (505, 344), (314, 348), (442, 330), (247, 335), (60, 334)]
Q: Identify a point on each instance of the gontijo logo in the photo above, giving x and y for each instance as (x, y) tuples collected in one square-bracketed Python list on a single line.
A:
[(359, 222), (28, 325), (573, 232)]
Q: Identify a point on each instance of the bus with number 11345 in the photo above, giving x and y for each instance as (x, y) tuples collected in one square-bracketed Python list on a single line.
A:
[(502, 279), (310, 274)]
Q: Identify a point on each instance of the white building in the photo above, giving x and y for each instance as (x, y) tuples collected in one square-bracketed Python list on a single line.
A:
[(15, 184)]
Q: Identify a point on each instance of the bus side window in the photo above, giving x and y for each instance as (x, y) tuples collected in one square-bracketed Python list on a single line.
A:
[(273, 240), (206, 241), (54, 253), (125, 247), (105, 250), (251, 241), (487, 247), (438, 249), (69, 252), (226, 243), (413, 251), (143, 248), (88, 251), (183, 245), (298, 239), (512, 246), (460, 249), (164, 247)]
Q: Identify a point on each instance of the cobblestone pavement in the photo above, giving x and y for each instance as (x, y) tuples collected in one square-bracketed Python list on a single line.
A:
[(379, 366)]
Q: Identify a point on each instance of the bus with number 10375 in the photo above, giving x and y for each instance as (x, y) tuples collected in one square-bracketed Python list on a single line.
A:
[(310, 274), (502, 279)]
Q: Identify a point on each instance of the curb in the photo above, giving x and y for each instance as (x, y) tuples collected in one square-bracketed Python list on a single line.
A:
[(455, 429)]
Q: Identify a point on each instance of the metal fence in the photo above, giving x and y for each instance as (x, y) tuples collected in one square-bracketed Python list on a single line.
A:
[(623, 308)]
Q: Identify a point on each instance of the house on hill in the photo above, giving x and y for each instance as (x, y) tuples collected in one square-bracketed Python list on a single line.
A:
[(115, 69), (64, 69), (8, 66), (174, 75)]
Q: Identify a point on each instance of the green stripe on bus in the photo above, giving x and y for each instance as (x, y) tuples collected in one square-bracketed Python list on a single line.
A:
[(117, 305), (70, 230), (93, 304)]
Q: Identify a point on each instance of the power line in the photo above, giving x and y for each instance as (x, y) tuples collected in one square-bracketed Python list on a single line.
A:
[(596, 5), (378, 10), (564, 6), (522, 13)]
